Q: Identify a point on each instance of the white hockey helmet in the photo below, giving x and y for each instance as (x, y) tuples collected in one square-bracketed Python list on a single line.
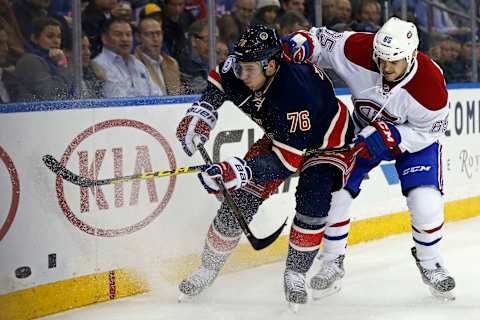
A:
[(397, 39)]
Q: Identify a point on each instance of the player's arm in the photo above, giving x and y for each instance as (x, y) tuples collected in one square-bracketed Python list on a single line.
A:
[(422, 129), (202, 116), (320, 46)]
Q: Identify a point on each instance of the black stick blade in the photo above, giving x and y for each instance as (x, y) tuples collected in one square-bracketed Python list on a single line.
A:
[(66, 174), (259, 244)]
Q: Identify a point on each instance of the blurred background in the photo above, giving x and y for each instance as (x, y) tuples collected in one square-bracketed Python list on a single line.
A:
[(78, 49)]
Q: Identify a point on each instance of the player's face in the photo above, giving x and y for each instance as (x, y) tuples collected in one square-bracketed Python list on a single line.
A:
[(392, 70), (251, 74)]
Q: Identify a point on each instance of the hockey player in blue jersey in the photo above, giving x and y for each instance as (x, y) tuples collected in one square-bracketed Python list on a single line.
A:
[(298, 111)]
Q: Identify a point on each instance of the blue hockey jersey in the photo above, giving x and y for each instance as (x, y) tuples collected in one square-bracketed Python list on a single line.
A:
[(296, 108)]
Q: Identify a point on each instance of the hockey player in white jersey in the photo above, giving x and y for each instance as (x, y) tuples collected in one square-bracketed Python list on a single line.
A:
[(400, 111)]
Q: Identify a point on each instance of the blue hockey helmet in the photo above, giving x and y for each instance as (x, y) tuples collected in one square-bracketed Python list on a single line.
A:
[(258, 43)]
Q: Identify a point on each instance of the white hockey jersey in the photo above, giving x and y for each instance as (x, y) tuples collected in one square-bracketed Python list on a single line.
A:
[(417, 105)]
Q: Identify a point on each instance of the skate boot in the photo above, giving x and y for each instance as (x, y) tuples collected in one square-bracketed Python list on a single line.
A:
[(196, 282), (438, 280), (327, 280), (295, 289)]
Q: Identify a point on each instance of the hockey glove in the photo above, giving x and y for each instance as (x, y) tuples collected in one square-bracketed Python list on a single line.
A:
[(298, 46), (199, 120), (380, 141), (234, 172)]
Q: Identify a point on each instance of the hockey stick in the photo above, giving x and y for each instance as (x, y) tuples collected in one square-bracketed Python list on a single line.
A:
[(71, 177), (257, 243)]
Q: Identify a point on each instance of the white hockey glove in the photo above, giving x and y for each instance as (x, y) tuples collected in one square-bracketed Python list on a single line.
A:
[(199, 120), (234, 172)]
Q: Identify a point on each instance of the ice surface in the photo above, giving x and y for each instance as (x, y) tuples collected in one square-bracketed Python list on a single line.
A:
[(382, 283)]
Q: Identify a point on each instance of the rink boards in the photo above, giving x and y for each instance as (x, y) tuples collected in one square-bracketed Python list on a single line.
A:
[(62, 246)]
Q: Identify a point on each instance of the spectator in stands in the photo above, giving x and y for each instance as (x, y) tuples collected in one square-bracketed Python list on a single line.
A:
[(368, 16), (233, 24), (292, 21), (93, 76), (43, 68), (126, 76), (93, 19), (122, 10), (9, 86), (194, 62), (446, 52), (267, 11), (26, 10), (344, 11), (163, 69), (198, 8), (441, 21), (294, 5), (10, 25), (61, 7), (329, 12), (221, 51), (224, 7), (465, 61), (150, 10), (176, 22)]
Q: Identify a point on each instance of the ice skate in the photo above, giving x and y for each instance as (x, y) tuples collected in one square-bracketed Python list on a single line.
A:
[(438, 280), (196, 283), (327, 280), (295, 289)]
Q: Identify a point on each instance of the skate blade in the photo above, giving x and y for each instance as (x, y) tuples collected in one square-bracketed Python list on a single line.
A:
[(320, 294), (442, 296), (294, 307), (184, 298)]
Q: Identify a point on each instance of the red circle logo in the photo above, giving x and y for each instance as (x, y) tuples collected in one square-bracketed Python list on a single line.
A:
[(15, 192), (114, 232)]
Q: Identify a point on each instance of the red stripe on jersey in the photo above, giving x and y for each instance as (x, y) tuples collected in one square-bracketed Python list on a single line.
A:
[(341, 224), (428, 79), (305, 240), (358, 49), (214, 74), (293, 159), (219, 244), (338, 132)]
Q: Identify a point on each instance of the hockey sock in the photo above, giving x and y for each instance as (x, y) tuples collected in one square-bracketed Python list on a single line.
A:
[(303, 245)]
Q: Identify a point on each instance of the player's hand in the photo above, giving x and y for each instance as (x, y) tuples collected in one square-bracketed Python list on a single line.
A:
[(380, 141), (298, 46), (234, 172), (199, 120)]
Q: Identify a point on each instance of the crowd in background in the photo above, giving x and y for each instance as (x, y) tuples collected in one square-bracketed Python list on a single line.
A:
[(160, 47)]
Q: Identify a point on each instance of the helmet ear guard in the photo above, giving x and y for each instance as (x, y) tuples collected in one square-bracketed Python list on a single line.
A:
[(396, 40)]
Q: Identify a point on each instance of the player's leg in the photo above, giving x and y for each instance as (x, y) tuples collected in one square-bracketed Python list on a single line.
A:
[(313, 197), (325, 281), (222, 238), (421, 180), (224, 232)]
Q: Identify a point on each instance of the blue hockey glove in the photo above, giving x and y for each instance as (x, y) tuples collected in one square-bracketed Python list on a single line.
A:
[(380, 141), (298, 46), (234, 172), (199, 120)]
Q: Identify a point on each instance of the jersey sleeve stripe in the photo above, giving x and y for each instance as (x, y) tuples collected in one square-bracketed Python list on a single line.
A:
[(215, 79), (290, 157), (335, 136)]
